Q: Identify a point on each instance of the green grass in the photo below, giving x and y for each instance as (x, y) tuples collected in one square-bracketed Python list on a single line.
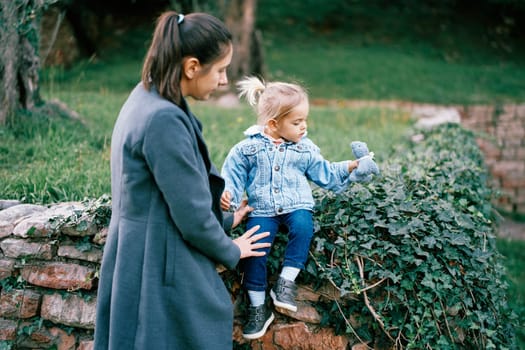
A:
[(514, 253), (429, 52), (341, 70), (337, 68), (58, 159)]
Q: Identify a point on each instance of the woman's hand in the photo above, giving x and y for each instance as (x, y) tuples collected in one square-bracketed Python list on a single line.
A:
[(240, 214), (247, 243)]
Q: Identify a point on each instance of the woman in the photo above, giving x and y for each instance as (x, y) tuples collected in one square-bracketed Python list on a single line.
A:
[(159, 288)]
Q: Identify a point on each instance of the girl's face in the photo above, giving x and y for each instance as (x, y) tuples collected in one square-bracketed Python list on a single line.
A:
[(293, 126), (206, 79)]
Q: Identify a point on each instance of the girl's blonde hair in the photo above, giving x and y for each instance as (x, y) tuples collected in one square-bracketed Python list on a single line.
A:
[(272, 100)]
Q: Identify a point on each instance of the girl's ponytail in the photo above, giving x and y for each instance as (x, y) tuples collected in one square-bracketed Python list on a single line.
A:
[(251, 88)]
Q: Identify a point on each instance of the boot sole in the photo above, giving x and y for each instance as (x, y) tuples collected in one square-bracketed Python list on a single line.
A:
[(280, 304), (262, 331)]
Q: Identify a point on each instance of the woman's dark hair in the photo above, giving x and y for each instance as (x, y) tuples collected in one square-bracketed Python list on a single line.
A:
[(198, 35)]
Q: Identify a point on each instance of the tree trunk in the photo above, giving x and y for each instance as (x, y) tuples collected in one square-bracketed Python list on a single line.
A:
[(247, 57), (19, 60)]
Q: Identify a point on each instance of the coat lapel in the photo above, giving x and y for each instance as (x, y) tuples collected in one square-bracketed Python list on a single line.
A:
[(197, 127), (216, 181)]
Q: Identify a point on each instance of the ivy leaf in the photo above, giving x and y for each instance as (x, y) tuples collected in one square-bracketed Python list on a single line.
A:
[(427, 282), (429, 241), (82, 226), (339, 241), (394, 250), (445, 216), (381, 223), (31, 231), (421, 252), (368, 245), (458, 239)]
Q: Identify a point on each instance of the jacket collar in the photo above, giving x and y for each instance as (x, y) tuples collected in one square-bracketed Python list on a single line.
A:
[(259, 130)]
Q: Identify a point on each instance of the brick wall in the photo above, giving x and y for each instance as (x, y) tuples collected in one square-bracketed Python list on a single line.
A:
[(502, 140), (48, 277), (49, 260)]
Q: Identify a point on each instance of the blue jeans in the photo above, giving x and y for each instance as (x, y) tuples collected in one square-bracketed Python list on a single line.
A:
[(299, 224)]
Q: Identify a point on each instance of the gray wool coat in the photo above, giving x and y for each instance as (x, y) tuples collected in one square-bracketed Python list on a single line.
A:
[(159, 288)]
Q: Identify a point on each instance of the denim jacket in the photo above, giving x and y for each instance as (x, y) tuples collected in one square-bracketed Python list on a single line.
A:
[(276, 177)]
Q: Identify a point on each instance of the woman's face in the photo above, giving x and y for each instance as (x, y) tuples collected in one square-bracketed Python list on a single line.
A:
[(208, 78)]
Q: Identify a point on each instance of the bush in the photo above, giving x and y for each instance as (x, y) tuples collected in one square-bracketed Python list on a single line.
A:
[(417, 247)]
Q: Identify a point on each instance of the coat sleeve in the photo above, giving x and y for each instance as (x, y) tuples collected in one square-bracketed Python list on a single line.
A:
[(170, 151), (228, 221)]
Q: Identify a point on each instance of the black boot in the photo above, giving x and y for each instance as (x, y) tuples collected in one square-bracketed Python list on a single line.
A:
[(283, 294), (259, 319)]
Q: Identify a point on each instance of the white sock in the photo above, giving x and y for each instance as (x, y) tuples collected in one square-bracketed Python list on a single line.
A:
[(290, 273), (256, 297)]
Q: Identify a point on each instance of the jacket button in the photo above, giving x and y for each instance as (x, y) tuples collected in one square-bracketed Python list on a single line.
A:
[(280, 210), (281, 149), (277, 168), (275, 190)]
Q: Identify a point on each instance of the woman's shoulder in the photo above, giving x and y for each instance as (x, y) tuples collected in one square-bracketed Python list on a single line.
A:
[(150, 101)]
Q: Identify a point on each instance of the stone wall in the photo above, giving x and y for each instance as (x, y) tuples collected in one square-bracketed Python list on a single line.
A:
[(48, 278), (500, 136), (502, 141), (49, 261)]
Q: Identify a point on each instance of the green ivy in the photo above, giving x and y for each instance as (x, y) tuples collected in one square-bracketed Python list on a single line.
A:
[(417, 248), (97, 211), (413, 252), (6, 345)]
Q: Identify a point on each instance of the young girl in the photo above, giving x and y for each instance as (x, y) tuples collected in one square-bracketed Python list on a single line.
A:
[(273, 165)]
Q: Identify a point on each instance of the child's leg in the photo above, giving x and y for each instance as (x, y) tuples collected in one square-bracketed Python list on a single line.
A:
[(254, 269), (255, 281), (300, 233)]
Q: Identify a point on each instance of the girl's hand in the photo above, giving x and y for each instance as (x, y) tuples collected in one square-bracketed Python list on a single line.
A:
[(352, 165), (226, 200), (240, 214), (247, 243)]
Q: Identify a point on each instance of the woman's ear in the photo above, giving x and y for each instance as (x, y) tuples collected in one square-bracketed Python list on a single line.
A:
[(190, 67)]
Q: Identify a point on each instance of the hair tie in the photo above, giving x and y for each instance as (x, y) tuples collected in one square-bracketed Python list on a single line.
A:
[(180, 18)]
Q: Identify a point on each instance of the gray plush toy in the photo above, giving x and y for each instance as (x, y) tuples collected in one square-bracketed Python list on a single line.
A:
[(367, 168)]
